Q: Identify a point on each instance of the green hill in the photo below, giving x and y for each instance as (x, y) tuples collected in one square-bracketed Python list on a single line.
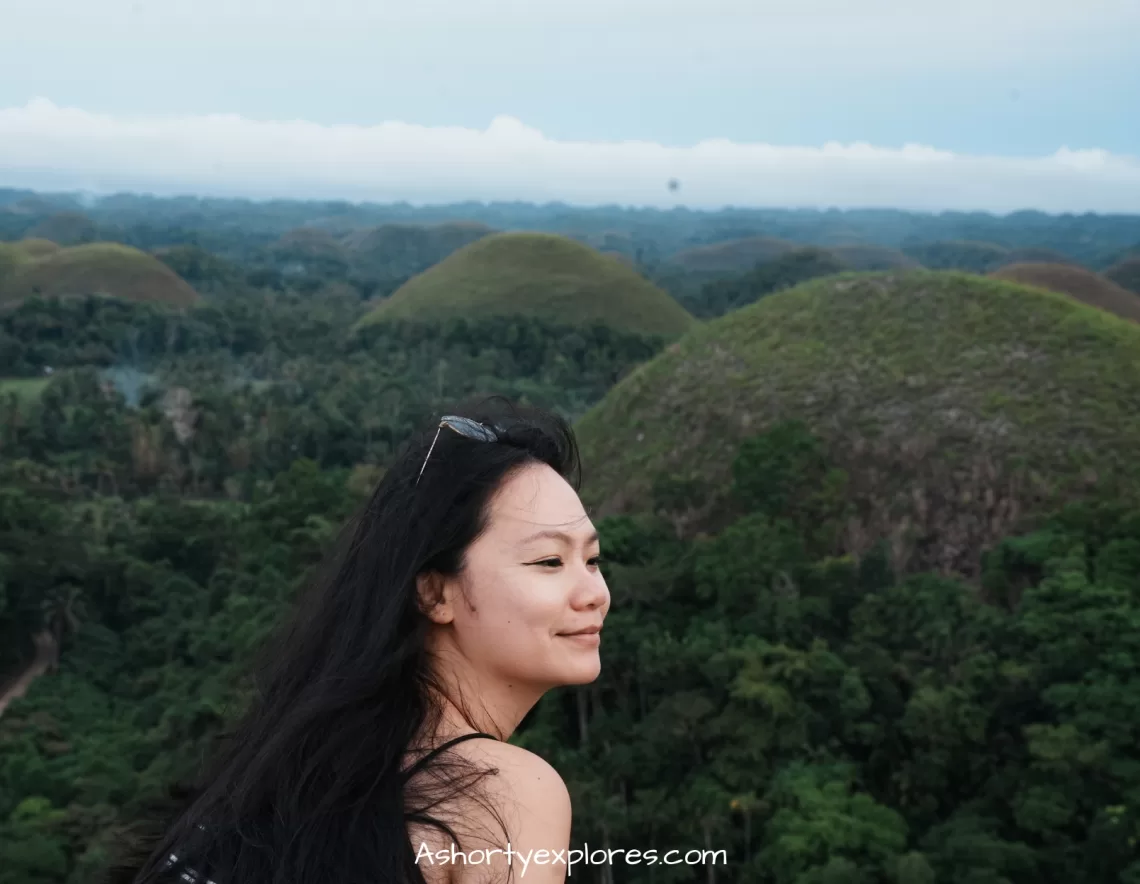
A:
[(1076, 282), (37, 248), (536, 274), (958, 405), (733, 256), (1126, 274), (12, 257), (17, 254), (97, 269)]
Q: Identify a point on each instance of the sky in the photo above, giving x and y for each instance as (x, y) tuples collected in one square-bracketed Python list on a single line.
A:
[(993, 105)]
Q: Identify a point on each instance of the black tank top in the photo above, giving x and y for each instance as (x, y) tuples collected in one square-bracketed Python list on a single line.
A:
[(443, 747)]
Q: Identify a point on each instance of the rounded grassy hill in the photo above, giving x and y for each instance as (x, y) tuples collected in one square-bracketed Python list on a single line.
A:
[(37, 248), (97, 269), (958, 405), (1076, 282), (12, 257), (541, 275)]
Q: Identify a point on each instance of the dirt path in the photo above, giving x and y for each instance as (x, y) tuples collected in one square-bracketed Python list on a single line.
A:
[(47, 655)]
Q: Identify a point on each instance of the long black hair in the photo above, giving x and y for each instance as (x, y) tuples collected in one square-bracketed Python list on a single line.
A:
[(310, 786)]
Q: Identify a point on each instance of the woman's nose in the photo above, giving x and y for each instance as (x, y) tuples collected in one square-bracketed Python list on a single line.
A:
[(592, 591)]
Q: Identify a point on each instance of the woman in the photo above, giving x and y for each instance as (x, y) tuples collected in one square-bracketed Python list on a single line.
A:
[(467, 588)]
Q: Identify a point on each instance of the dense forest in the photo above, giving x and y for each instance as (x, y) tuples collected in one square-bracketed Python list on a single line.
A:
[(170, 475)]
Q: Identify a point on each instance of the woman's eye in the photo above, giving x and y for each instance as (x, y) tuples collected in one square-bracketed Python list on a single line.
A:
[(557, 563)]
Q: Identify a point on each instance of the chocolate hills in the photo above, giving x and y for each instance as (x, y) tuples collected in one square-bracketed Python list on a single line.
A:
[(540, 275), (958, 405), (1076, 282), (96, 269)]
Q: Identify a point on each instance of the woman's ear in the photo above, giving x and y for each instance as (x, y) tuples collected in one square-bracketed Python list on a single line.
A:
[(433, 598)]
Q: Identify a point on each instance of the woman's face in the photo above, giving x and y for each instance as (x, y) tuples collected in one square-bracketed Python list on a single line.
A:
[(528, 582)]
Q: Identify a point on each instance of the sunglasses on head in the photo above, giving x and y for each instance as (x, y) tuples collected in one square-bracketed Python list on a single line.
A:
[(465, 427)]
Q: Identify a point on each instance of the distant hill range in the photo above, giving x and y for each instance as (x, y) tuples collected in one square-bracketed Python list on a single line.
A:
[(739, 255), (647, 236)]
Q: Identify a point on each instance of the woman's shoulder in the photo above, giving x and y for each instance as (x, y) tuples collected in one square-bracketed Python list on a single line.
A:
[(521, 776), (525, 807)]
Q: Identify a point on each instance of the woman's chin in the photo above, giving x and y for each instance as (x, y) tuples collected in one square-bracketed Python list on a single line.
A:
[(583, 674)]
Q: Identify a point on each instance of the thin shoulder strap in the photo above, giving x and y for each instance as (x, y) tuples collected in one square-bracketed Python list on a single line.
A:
[(443, 747)]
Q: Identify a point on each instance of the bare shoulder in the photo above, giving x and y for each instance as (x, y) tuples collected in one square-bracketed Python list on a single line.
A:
[(526, 775), (525, 788), (525, 807)]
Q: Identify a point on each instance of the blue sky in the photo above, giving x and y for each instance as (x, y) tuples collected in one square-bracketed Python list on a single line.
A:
[(980, 79)]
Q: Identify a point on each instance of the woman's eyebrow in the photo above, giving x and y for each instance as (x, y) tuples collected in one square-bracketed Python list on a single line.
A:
[(552, 534)]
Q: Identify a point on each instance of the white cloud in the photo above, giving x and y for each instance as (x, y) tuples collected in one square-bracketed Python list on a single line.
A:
[(44, 146)]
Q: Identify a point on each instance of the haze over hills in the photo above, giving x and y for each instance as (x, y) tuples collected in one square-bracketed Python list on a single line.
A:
[(957, 405), (223, 225), (540, 275)]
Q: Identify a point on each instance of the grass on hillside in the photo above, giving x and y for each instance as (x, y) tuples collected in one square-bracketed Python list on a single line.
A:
[(97, 269), (536, 274), (12, 257), (37, 248), (1084, 285), (16, 254), (958, 404)]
